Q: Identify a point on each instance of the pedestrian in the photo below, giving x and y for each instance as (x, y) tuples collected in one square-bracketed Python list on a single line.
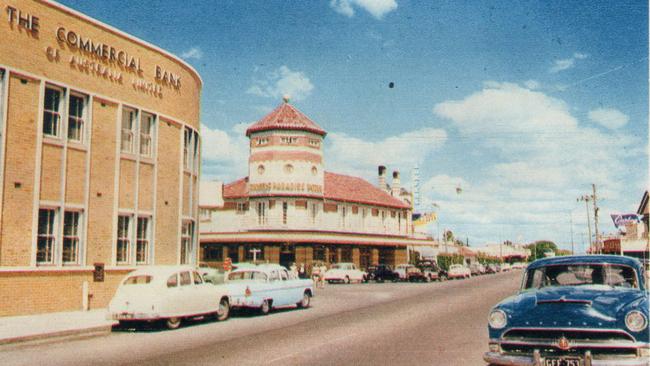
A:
[(315, 273), (294, 270), (302, 273), (321, 275)]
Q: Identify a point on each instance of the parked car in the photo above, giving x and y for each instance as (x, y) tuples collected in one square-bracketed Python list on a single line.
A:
[(476, 269), (432, 271), (168, 293), (518, 265), (491, 268), (505, 267), (381, 273), (267, 286), (574, 310), (458, 271), (401, 269), (344, 273), (413, 274)]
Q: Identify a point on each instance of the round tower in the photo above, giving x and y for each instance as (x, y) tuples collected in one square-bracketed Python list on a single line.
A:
[(286, 154)]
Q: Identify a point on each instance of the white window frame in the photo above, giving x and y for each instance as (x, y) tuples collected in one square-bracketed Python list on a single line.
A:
[(51, 234), (127, 134), (261, 213), (56, 133), (143, 240), (80, 120), (314, 212), (128, 238), (187, 240), (77, 236), (146, 140)]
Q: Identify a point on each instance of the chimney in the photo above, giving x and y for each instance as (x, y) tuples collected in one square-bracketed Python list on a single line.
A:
[(382, 178), (396, 189)]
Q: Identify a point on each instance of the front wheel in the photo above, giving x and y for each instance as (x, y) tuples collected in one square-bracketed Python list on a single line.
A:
[(346, 280), (224, 310), (305, 302), (173, 323), (265, 308)]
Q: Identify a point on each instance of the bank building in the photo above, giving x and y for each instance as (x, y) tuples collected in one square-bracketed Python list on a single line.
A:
[(291, 209), (99, 158)]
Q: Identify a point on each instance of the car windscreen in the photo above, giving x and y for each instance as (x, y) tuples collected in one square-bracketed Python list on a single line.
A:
[(581, 274), (336, 266), (138, 280), (247, 276)]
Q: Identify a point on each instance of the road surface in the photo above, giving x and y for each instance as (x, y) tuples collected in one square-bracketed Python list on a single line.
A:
[(359, 324)]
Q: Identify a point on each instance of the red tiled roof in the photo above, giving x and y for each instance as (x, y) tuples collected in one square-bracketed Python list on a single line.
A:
[(338, 187), (341, 187), (285, 117)]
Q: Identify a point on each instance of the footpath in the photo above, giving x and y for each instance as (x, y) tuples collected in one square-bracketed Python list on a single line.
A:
[(16, 329)]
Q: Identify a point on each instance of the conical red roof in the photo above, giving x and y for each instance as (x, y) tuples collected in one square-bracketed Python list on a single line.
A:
[(285, 117)]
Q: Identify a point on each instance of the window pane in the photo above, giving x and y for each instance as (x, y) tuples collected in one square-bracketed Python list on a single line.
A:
[(185, 279), (45, 241)]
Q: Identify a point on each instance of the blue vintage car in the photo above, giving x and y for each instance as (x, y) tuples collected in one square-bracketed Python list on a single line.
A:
[(574, 311), (267, 286)]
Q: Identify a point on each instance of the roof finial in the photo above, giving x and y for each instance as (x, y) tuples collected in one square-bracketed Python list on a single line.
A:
[(285, 98)]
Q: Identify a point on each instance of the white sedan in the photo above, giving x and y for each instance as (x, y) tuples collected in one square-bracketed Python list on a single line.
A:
[(344, 272), (458, 271), (169, 293)]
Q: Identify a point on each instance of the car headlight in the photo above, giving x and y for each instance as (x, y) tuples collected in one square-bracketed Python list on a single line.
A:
[(497, 319), (635, 321)]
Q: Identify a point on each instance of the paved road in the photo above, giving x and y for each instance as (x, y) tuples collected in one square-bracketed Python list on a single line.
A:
[(365, 324)]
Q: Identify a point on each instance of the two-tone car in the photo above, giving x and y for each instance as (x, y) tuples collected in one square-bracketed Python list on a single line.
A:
[(345, 273), (267, 286), (169, 294), (574, 311), (457, 271)]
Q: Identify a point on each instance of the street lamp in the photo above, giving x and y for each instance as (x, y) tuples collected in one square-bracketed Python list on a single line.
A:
[(586, 198)]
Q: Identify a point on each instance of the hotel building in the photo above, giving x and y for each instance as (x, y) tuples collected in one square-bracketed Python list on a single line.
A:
[(290, 209), (99, 154)]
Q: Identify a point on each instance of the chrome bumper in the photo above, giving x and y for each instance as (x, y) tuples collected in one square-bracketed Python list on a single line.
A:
[(497, 358)]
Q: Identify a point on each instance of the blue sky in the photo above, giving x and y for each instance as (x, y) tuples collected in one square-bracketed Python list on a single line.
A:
[(521, 104)]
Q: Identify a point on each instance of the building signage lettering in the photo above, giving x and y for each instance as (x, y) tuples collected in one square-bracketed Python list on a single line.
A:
[(284, 186), (24, 20), (168, 78), (98, 49), (96, 68)]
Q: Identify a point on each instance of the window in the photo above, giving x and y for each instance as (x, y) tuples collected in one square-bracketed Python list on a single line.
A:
[(197, 278), (212, 253), (260, 169), (52, 111), (142, 242), (129, 117), (319, 253), (123, 239), (187, 162), (289, 140), (46, 236), (344, 214), (187, 236), (146, 131), (314, 142), (172, 281), (76, 115), (288, 168), (242, 207), (205, 214), (262, 141), (313, 212), (285, 208), (71, 237), (138, 280), (261, 213), (185, 279)]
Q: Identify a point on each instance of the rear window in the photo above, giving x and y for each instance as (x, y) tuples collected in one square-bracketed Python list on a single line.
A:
[(247, 275), (138, 280), (172, 281), (185, 279)]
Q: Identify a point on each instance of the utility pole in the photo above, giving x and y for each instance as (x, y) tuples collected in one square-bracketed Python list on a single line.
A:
[(598, 247), (587, 198), (571, 221)]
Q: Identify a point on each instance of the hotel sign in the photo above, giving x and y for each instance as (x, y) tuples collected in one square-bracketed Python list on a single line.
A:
[(287, 187)]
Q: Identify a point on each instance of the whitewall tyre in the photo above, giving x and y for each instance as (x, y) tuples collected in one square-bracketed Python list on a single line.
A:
[(173, 323), (305, 302), (224, 310), (265, 308)]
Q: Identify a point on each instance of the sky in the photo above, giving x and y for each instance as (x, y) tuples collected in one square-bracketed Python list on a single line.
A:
[(510, 110)]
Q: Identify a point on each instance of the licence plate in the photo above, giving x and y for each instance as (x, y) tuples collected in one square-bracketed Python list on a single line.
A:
[(562, 361), (124, 316)]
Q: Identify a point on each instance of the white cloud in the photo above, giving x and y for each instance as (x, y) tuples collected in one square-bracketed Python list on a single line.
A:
[(536, 158), (532, 84), (283, 82), (360, 156), (193, 52), (377, 8), (224, 153), (609, 117), (567, 63)]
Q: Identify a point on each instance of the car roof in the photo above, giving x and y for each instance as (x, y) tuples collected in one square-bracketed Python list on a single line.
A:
[(161, 270), (586, 259)]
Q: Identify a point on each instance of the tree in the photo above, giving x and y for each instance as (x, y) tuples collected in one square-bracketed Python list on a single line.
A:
[(449, 236), (538, 248)]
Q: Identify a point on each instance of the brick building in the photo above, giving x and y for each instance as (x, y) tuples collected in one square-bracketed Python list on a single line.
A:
[(99, 153), (290, 209)]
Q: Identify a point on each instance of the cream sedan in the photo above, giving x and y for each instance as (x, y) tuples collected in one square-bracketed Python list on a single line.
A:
[(458, 271), (168, 293), (344, 273)]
